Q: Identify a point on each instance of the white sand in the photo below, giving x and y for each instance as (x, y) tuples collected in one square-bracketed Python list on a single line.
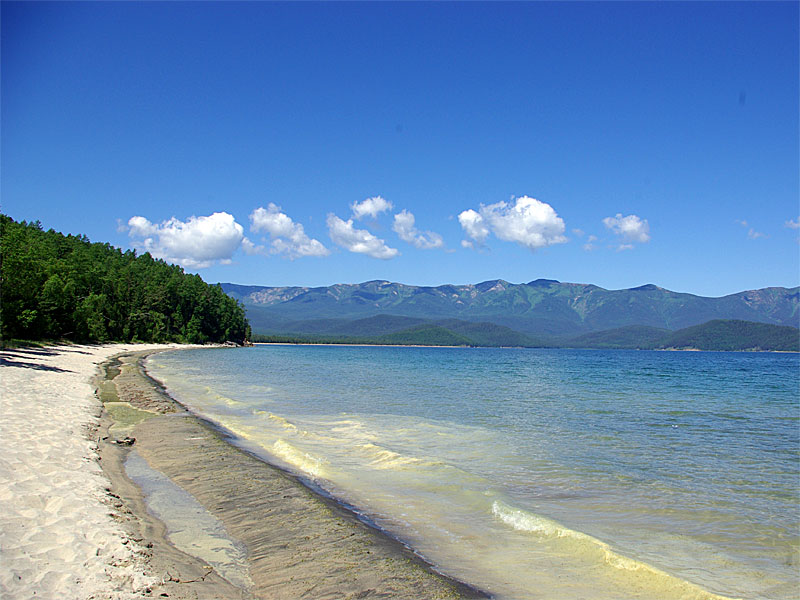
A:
[(57, 536)]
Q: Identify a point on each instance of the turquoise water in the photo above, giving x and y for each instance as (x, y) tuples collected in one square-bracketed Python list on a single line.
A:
[(536, 473)]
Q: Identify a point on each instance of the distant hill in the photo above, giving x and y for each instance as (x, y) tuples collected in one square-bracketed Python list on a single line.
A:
[(635, 337), (427, 335), (403, 330), (735, 335), (368, 327), (490, 334), (542, 311), (715, 335)]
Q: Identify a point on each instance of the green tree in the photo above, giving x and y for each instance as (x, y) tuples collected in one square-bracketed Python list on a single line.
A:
[(54, 286)]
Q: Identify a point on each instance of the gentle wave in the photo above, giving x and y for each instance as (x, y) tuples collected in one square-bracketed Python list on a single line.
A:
[(285, 423), (383, 458), (588, 547), (308, 463), (228, 401)]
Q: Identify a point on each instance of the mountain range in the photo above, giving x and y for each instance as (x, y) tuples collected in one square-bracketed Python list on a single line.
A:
[(544, 311)]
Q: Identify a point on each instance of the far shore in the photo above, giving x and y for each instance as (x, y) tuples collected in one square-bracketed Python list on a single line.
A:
[(346, 345)]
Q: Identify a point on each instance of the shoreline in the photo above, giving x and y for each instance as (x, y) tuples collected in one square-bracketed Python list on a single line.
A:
[(178, 574), (349, 345), (74, 524), (296, 538)]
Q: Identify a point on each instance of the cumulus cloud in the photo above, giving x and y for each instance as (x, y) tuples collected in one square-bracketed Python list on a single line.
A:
[(197, 243), (528, 222), (424, 240), (370, 207), (252, 249), (589, 245), (474, 225), (344, 234), (630, 229), (792, 224), (287, 237)]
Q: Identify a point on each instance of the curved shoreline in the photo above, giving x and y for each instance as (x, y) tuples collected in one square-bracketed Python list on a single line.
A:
[(300, 541)]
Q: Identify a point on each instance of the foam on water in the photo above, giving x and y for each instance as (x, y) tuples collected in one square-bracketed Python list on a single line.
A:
[(383, 458), (276, 419), (592, 549), (306, 462)]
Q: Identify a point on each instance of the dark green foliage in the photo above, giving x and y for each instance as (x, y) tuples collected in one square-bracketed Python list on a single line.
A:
[(736, 335), (64, 287)]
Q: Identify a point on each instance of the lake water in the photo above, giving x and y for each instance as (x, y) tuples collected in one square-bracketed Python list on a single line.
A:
[(554, 474)]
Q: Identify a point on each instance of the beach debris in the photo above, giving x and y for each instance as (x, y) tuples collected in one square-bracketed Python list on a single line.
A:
[(170, 578)]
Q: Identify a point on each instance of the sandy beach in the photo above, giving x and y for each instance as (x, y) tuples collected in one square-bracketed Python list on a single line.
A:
[(60, 530), (75, 524)]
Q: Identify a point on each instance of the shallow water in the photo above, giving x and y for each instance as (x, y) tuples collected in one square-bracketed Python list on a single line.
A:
[(190, 527), (536, 473)]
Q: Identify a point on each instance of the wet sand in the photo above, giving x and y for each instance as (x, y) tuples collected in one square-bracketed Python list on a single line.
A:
[(296, 543)]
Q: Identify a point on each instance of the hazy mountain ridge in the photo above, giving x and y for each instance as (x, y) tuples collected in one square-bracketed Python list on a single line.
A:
[(542, 307)]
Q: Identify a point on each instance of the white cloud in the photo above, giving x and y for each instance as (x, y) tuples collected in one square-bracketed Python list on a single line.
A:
[(370, 207), (424, 240), (792, 224), (528, 222), (630, 229), (287, 237), (474, 226), (358, 240), (589, 245), (196, 243), (252, 249)]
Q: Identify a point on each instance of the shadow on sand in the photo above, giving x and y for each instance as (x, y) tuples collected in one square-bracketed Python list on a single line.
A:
[(8, 361)]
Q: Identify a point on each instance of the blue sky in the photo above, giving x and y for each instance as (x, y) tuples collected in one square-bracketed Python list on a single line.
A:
[(311, 144)]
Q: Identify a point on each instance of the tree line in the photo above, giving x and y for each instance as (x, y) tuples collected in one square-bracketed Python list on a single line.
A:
[(54, 286)]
